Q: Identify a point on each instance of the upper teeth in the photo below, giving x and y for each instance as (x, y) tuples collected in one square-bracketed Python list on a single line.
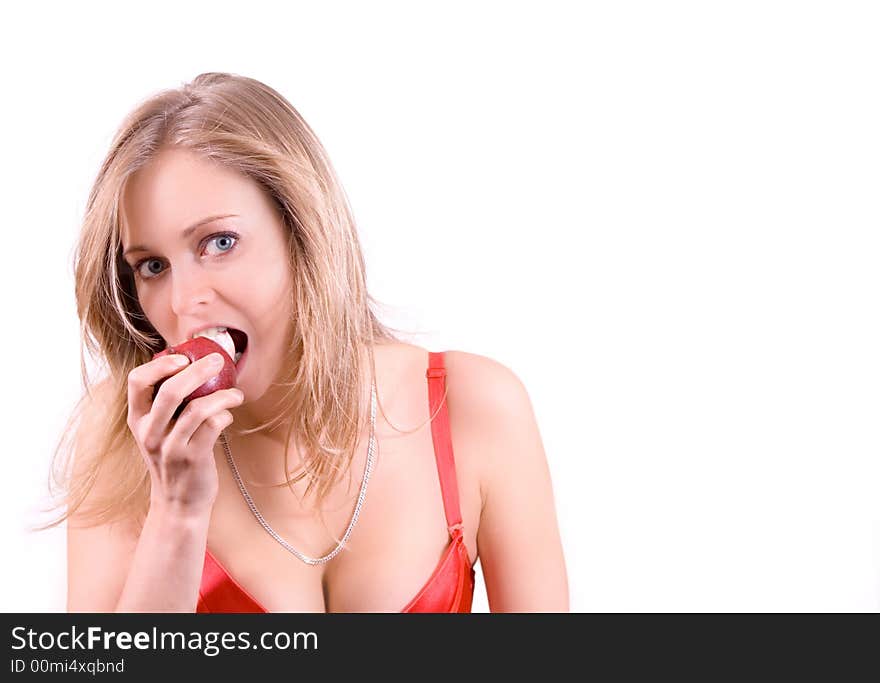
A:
[(221, 336)]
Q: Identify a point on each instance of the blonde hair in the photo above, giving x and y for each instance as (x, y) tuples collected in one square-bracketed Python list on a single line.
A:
[(249, 127)]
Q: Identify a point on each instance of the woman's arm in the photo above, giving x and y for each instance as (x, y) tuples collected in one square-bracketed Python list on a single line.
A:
[(518, 540), (110, 570), (116, 567)]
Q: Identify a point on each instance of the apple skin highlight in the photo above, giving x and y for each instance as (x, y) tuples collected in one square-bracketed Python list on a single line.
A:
[(196, 348)]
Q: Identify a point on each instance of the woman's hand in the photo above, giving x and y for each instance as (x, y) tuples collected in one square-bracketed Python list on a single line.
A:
[(179, 453)]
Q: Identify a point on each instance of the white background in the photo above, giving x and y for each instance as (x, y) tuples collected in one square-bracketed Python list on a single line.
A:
[(663, 217)]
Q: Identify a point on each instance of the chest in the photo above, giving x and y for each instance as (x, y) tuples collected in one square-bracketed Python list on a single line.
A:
[(400, 536)]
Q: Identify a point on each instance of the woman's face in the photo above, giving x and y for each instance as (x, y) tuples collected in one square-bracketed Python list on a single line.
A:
[(230, 271)]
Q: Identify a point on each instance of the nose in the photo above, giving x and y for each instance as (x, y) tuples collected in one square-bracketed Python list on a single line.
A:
[(191, 289)]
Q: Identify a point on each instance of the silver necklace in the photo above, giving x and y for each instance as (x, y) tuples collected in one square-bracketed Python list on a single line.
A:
[(360, 501)]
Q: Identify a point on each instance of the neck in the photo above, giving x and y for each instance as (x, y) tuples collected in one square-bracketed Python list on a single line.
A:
[(254, 413)]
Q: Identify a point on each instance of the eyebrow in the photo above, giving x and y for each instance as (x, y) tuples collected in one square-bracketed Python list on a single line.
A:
[(186, 233)]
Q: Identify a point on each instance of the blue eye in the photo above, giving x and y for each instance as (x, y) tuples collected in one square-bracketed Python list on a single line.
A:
[(223, 238)]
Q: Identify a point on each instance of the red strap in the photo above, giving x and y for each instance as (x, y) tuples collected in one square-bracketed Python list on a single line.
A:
[(442, 437)]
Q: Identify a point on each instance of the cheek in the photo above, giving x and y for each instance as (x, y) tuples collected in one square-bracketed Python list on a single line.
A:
[(145, 302), (271, 295), (150, 305)]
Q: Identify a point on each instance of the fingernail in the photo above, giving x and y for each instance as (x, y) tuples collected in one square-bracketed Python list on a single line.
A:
[(216, 360), (180, 360)]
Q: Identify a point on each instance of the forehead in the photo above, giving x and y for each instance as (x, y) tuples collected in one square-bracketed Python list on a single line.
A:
[(177, 189)]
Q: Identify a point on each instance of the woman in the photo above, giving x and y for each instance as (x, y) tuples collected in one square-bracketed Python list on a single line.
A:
[(217, 208)]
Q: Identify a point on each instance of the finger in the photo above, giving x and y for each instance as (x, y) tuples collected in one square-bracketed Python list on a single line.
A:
[(202, 409), (204, 438), (173, 391), (143, 379)]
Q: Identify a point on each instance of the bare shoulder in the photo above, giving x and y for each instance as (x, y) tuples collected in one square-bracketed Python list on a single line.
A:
[(478, 384), (486, 387), (518, 538), (488, 403), (483, 397), (98, 555)]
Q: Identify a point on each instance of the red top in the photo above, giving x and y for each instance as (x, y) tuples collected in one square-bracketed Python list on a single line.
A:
[(449, 589)]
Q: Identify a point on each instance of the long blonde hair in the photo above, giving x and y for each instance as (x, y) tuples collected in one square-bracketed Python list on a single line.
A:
[(245, 125)]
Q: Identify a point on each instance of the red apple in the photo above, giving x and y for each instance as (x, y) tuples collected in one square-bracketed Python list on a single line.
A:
[(194, 349)]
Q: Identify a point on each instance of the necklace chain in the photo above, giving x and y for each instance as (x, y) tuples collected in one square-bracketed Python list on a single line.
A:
[(360, 501)]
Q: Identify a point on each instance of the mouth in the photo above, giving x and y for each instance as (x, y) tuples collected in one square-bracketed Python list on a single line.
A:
[(233, 341), (240, 340)]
